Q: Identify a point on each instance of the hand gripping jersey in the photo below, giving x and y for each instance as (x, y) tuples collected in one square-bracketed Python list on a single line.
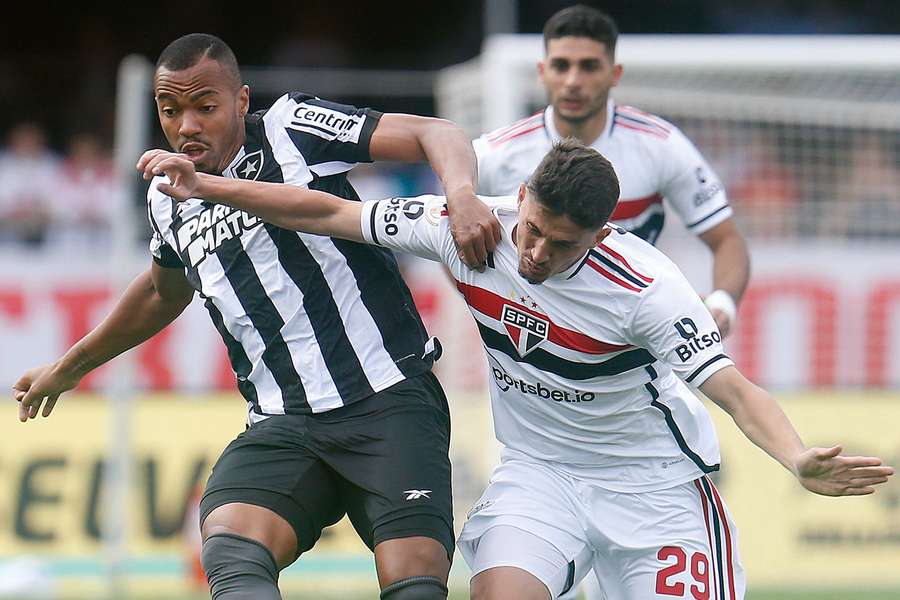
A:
[(311, 323), (652, 159), (587, 366)]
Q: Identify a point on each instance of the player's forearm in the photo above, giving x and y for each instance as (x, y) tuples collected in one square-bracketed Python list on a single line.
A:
[(286, 206), (758, 415), (449, 152), (731, 267), (138, 315)]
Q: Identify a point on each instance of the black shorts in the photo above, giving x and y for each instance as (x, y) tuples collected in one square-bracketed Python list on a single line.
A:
[(384, 461)]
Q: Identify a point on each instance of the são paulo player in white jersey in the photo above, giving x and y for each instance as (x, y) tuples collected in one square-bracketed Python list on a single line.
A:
[(653, 158), (592, 335)]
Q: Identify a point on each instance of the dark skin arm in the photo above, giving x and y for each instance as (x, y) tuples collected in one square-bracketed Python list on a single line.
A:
[(411, 138), (153, 300)]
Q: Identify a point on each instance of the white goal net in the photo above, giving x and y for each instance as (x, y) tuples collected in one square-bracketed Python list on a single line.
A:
[(804, 130)]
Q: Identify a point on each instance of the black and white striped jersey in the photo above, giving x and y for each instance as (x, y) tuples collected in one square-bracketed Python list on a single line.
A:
[(311, 323)]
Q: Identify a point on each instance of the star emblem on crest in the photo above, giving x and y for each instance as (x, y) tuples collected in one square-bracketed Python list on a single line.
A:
[(250, 166)]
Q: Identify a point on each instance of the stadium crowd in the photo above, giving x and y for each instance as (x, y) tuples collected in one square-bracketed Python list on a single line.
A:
[(56, 200), (55, 178), (48, 199)]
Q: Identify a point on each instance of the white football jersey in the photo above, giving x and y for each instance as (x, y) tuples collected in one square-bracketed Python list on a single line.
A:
[(652, 158), (587, 367)]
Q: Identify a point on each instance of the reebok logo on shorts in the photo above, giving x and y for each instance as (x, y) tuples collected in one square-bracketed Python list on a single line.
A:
[(416, 494)]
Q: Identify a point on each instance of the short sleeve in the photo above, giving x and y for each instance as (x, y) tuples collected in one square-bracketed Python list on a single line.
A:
[(672, 323), (163, 254), (331, 137), (418, 225), (162, 251), (691, 186)]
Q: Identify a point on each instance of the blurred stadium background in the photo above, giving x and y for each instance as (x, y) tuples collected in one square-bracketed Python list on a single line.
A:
[(796, 104)]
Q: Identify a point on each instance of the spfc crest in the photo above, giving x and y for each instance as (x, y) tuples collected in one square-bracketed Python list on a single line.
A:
[(250, 166), (525, 330)]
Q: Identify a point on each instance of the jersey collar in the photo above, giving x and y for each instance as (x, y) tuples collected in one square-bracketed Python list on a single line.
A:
[(550, 125), (230, 169)]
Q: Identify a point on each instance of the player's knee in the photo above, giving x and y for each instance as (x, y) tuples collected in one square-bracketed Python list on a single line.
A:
[(403, 558), (257, 523), (239, 568), (415, 588)]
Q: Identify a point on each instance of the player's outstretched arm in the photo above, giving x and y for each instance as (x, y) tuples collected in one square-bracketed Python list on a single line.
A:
[(447, 148), (821, 470), (286, 206), (152, 301)]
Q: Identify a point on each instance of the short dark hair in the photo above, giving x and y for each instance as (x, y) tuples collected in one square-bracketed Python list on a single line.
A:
[(578, 182), (188, 50), (582, 21)]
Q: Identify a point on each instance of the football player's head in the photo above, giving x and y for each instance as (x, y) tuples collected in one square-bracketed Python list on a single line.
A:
[(563, 209), (579, 66), (201, 101)]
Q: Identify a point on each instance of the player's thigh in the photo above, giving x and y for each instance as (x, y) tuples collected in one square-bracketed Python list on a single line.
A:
[(391, 452), (509, 563), (528, 518), (269, 466), (674, 543)]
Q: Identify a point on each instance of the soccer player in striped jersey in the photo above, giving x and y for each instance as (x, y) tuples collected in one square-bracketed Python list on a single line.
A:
[(653, 158), (592, 337), (344, 414)]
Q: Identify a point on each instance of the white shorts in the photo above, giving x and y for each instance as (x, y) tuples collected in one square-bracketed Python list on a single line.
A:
[(678, 542)]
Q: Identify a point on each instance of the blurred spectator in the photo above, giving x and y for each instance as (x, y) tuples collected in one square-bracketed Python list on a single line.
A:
[(386, 180), (867, 191), (86, 188), (763, 190), (28, 172)]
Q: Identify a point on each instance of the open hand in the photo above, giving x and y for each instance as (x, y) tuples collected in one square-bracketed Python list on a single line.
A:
[(39, 384), (825, 471), (183, 180)]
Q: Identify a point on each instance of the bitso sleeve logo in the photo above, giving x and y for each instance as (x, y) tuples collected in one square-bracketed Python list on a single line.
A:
[(525, 330), (695, 343)]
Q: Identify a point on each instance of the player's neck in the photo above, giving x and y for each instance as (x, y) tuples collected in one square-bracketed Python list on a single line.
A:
[(586, 131), (239, 140)]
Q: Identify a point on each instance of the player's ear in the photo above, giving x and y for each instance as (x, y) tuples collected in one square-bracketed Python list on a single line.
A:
[(617, 74), (601, 235), (243, 100), (521, 194)]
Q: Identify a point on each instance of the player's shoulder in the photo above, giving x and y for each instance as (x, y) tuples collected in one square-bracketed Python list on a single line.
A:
[(159, 205), (295, 106), (434, 207), (629, 264), (501, 204), (154, 196), (644, 126), (509, 139)]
